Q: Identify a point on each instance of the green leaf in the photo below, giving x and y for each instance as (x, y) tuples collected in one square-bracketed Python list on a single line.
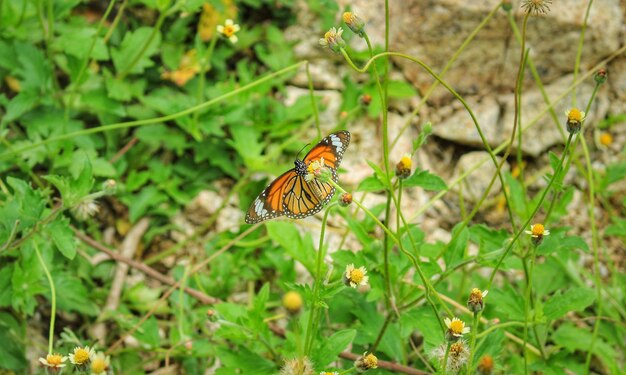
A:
[(614, 173), (245, 141), (12, 352), (139, 204), (148, 333), (574, 339), (371, 183), (400, 89), (333, 346), (20, 104), (575, 299), (132, 44), (456, 248), (75, 296), (63, 237), (288, 237), (426, 180)]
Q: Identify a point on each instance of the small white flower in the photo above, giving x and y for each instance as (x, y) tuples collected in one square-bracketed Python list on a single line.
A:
[(81, 356), (54, 361), (228, 29), (456, 327), (354, 277)]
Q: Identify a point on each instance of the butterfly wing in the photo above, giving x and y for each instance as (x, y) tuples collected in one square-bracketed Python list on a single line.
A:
[(291, 195), (269, 204), (304, 198), (331, 148)]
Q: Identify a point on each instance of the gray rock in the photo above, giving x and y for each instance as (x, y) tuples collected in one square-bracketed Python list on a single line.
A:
[(475, 184)]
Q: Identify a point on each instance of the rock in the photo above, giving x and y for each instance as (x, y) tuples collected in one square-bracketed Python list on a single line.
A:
[(475, 184), (460, 128), (433, 30), (495, 117)]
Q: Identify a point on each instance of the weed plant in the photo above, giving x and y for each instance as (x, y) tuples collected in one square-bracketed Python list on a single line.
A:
[(116, 115)]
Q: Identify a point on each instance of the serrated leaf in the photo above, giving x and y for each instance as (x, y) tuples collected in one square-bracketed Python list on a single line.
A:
[(132, 44), (456, 248), (400, 89), (371, 183), (333, 346), (575, 299), (63, 237), (425, 180), (148, 333)]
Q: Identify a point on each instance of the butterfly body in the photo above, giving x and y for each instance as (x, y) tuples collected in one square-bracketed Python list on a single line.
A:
[(291, 194)]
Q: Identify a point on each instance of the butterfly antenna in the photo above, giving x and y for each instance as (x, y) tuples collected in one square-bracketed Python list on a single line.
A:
[(305, 146)]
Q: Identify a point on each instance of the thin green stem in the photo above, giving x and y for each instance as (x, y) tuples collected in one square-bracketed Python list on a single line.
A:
[(313, 321), (316, 114), (460, 99), (444, 362), (448, 65), (595, 243), (204, 69), (579, 50), (85, 62), (156, 120), (53, 297), (155, 31), (532, 215), (427, 285), (474, 334)]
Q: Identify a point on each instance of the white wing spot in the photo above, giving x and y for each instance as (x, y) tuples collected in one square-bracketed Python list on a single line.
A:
[(336, 142)]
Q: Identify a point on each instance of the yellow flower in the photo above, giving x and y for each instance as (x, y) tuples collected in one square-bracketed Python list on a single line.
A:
[(366, 362), (329, 373), (53, 361), (211, 17), (537, 232), (354, 22), (537, 6), (575, 118), (403, 168), (456, 328), (475, 302), (100, 364), (292, 301), (228, 30), (81, 356), (333, 40), (604, 140), (354, 277), (317, 170)]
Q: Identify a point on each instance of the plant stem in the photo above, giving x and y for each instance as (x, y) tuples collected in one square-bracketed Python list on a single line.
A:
[(313, 321), (53, 297), (156, 120)]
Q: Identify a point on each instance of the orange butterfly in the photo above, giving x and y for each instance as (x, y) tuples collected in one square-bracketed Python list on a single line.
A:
[(291, 195)]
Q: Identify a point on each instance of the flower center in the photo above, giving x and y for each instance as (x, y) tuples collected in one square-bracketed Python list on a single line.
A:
[(98, 365), (330, 36), (538, 230), (456, 348), (54, 359), (370, 361), (81, 356), (606, 139), (229, 30), (356, 276), (456, 326), (575, 115)]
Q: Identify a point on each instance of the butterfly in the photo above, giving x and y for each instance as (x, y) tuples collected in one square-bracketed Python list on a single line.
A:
[(291, 194)]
